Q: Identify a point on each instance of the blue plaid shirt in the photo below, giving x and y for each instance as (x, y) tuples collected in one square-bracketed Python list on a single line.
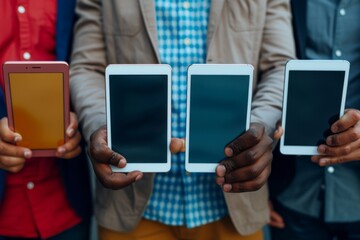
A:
[(178, 198)]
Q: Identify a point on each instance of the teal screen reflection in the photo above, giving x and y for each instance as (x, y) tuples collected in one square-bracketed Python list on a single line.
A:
[(217, 114), (138, 105), (313, 105)]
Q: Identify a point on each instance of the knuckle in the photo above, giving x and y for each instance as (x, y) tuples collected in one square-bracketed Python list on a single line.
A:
[(334, 140), (355, 114), (254, 172), (354, 135), (229, 177), (255, 134), (251, 156), (106, 182), (346, 150), (229, 165)]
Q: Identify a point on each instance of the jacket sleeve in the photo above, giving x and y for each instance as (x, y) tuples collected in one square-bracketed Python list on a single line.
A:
[(277, 47), (87, 81)]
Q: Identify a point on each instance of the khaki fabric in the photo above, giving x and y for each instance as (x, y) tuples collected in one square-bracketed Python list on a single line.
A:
[(150, 230), (256, 32)]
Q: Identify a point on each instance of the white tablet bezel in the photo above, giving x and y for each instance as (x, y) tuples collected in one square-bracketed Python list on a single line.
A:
[(141, 69), (310, 65), (213, 69)]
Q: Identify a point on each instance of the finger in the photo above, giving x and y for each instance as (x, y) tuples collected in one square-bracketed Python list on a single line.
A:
[(14, 169), (278, 133), (247, 140), (251, 172), (6, 134), (14, 151), (350, 118), (276, 220), (70, 145), (338, 150), (248, 186), (73, 126), (9, 162), (177, 145), (70, 154), (245, 158), (113, 180), (331, 160), (350, 135)]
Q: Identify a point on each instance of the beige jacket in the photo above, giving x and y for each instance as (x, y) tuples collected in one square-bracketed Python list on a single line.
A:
[(257, 32)]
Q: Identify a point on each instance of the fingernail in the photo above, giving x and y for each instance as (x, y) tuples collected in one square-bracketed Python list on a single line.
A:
[(321, 149), (227, 187), (61, 149), (229, 152), (17, 138), (122, 163), (221, 170), (70, 132), (138, 177), (27, 154)]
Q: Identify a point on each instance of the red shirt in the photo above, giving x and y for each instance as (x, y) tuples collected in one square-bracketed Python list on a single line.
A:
[(34, 203)]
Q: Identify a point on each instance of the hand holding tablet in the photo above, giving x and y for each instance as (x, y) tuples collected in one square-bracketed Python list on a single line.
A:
[(138, 99), (37, 97), (314, 98), (218, 111)]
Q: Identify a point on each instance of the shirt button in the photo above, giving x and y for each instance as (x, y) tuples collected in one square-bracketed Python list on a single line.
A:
[(21, 9), (26, 55), (342, 12), (186, 5), (187, 41), (30, 185), (338, 53), (331, 169)]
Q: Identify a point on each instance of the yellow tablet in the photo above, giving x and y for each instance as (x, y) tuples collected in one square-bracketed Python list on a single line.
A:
[(37, 99)]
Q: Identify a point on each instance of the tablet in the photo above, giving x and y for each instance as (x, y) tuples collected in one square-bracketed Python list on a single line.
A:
[(314, 98), (218, 111), (138, 102), (37, 99)]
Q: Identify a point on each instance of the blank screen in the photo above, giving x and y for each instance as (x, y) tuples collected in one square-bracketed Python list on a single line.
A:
[(313, 105), (217, 114), (37, 101), (138, 108)]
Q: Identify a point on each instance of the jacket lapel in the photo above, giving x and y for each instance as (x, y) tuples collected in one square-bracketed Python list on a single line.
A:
[(148, 12), (214, 17), (299, 10)]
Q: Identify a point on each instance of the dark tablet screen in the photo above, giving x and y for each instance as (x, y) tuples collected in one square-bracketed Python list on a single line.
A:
[(138, 105), (218, 113), (313, 104)]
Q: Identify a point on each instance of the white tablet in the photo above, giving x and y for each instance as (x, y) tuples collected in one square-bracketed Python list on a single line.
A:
[(218, 111), (314, 98), (138, 102)]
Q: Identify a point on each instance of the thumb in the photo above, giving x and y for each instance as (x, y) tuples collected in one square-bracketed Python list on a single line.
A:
[(6, 134)]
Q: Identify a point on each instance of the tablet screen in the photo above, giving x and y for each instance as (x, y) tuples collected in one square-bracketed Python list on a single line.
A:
[(218, 114), (37, 103), (313, 104), (138, 110)]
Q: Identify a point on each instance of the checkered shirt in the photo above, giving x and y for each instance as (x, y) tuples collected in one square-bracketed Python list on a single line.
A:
[(178, 198)]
